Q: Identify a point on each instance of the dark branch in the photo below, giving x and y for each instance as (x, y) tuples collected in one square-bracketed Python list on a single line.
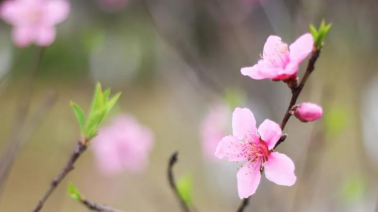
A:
[(243, 205), (296, 91), (98, 207), (172, 183), (79, 150)]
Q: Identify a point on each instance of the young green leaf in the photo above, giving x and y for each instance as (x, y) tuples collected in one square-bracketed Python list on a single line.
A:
[(184, 187), (112, 102), (79, 116), (106, 95), (75, 194), (313, 31), (98, 101)]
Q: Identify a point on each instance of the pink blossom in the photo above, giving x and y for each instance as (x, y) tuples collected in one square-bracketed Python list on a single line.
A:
[(113, 5), (34, 20), (256, 147), (213, 127), (279, 61), (124, 145), (308, 112)]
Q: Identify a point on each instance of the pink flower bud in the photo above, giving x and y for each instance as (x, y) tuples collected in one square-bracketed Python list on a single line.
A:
[(306, 112)]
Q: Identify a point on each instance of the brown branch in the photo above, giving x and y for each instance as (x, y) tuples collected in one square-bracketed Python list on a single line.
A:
[(296, 91), (98, 207), (79, 150), (172, 183)]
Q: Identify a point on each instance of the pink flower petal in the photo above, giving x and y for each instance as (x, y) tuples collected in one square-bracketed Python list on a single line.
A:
[(270, 132), (9, 12), (231, 148), (23, 36), (300, 49), (45, 35), (56, 11), (280, 169), (243, 123), (248, 177), (262, 70), (276, 52)]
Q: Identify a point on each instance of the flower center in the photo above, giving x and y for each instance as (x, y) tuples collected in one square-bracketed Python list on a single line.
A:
[(34, 15), (257, 151)]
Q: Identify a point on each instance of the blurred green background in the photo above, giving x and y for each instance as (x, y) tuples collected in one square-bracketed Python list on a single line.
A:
[(172, 59)]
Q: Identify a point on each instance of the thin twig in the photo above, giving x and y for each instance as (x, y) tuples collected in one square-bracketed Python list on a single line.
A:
[(98, 207), (244, 204), (79, 150), (172, 183), (7, 159), (297, 90), (19, 127)]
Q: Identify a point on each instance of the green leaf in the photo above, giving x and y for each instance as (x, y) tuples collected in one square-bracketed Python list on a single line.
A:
[(110, 104), (184, 187), (326, 29), (106, 95), (79, 116), (313, 31), (75, 194), (98, 101), (94, 122)]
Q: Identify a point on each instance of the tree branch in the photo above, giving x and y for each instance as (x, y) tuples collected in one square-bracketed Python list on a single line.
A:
[(244, 204), (79, 150), (296, 91), (98, 207), (172, 183)]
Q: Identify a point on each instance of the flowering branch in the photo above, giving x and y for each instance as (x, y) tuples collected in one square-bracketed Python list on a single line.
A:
[(172, 182), (305, 112), (296, 91), (79, 150)]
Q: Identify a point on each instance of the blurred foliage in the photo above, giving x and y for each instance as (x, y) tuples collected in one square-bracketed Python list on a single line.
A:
[(336, 119), (184, 186), (354, 188)]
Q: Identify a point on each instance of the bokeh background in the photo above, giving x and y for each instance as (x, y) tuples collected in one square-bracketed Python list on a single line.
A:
[(172, 60)]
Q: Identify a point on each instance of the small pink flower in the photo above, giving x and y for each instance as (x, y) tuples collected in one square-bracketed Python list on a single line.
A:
[(256, 147), (279, 61), (34, 20), (124, 145), (213, 128), (306, 112)]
